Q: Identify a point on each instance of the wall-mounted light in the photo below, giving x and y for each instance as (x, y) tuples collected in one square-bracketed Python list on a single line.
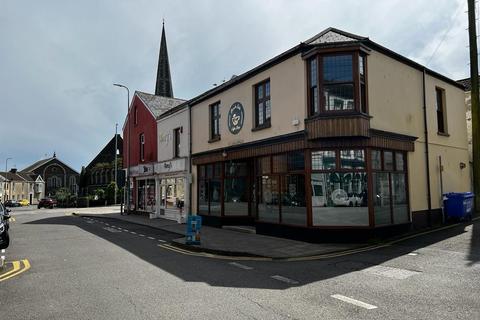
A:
[(224, 154), (462, 165)]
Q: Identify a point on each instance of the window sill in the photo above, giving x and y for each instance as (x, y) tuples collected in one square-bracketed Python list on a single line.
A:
[(263, 126), (214, 140), (338, 114), (443, 134)]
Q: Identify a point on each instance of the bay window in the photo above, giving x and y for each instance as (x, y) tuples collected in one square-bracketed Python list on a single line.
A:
[(337, 83)]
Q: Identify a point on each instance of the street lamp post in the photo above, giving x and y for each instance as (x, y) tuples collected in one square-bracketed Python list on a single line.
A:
[(6, 176), (116, 151), (127, 182)]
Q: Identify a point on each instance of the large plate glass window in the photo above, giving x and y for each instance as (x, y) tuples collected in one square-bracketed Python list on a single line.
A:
[(339, 194)]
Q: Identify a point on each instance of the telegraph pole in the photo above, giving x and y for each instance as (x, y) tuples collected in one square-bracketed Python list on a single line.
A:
[(472, 31)]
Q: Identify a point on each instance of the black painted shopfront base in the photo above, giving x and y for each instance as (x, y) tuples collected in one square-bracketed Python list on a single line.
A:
[(420, 219), (217, 221), (320, 235)]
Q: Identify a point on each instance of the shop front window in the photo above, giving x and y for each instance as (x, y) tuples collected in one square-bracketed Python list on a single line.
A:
[(381, 201), (268, 205), (339, 193), (390, 188), (172, 193), (281, 189), (209, 189), (294, 209), (236, 194), (146, 195), (339, 199), (141, 195)]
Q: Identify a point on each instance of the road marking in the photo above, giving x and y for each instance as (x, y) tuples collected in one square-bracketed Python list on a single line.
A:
[(12, 219), (133, 232), (354, 302), (17, 269), (141, 235), (284, 279), (413, 254), (239, 265), (160, 240), (390, 272), (89, 221), (110, 229), (151, 238)]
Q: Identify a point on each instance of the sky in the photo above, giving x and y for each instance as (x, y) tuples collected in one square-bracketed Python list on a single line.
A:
[(59, 59)]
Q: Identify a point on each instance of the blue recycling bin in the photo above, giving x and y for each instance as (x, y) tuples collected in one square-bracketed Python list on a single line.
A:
[(459, 206)]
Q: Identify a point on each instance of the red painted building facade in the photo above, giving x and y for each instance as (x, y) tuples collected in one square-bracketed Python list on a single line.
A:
[(140, 152)]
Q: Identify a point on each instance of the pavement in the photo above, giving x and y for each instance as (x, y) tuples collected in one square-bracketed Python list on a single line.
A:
[(226, 242)]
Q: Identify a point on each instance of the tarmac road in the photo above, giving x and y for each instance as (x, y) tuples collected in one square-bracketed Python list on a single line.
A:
[(106, 269)]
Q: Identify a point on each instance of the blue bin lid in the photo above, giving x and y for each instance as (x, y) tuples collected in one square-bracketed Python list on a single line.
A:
[(459, 195)]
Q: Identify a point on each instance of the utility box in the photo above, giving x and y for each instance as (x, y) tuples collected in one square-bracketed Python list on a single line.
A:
[(194, 225)]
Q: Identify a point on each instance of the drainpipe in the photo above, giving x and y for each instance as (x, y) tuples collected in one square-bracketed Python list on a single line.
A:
[(189, 208), (427, 155)]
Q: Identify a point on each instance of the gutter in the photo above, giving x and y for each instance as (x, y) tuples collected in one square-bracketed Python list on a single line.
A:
[(427, 153)]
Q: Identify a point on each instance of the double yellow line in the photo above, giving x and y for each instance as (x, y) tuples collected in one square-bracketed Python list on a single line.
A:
[(18, 267)]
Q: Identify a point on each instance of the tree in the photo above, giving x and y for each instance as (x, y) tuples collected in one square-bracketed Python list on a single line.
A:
[(110, 192)]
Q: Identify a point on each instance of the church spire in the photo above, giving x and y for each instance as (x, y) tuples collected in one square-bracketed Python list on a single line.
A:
[(164, 81)]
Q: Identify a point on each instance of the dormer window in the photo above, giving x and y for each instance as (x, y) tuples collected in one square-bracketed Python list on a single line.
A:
[(337, 83)]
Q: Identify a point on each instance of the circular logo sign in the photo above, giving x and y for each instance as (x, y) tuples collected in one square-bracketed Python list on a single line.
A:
[(236, 116)]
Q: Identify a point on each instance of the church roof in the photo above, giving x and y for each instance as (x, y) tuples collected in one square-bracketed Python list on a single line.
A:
[(163, 85)]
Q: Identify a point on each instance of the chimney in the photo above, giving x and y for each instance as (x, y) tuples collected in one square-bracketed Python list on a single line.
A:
[(13, 170)]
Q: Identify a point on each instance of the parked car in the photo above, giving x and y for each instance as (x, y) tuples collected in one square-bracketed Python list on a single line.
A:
[(4, 226), (12, 203), (47, 203), (24, 202)]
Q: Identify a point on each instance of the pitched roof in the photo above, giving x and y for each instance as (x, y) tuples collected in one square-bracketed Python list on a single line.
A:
[(332, 35), (37, 164), (110, 146), (15, 176), (467, 83), (42, 162), (157, 104)]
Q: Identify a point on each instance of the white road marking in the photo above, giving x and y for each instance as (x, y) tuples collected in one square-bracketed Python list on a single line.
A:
[(241, 266), (141, 235), (390, 272), (151, 238), (160, 240), (354, 302), (284, 279), (413, 254), (111, 229), (133, 232)]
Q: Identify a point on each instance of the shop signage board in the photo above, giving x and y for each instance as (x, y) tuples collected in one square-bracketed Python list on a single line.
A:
[(194, 225), (142, 170), (236, 115), (170, 166)]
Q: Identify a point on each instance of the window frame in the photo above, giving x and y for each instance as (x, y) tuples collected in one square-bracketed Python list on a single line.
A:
[(256, 101), (358, 81), (176, 142), (135, 115), (214, 122), (442, 128), (390, 173), (142, 146)]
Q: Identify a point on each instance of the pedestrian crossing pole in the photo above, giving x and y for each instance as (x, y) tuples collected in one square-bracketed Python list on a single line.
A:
[(472, 31)]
